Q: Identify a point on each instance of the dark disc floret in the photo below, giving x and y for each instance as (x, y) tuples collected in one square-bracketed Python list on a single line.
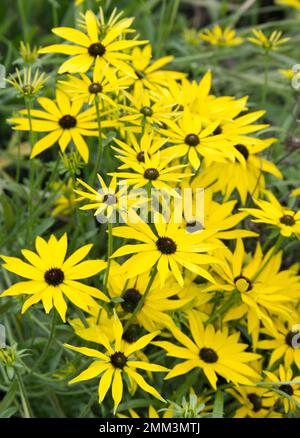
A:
[(287, 219), (256, 401), (118, 360), (68, 122), (192, 140), (288, 389), (96, 49), (141, 157), (152, 174), (131, 299), (110, 199), (147, 111), (208, 355), (166, 245), (95, 88), (242, 150), (54, 276), (241, 277), (292, 339)]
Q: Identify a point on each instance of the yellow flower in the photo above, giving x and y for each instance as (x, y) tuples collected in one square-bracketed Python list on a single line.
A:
[(287, 73), (292, 3), (284, 382), (103, 83), (51, 276), (245, 174), (168, 248), (214, 351), (284, 343), (108, 200), (253, 402), (273, 213), (258, 287), (271, 42), (221, 37), (154, 170), (28, 85), (116, 362), (192, 139), (134, 150), (64, 121), (90, 46), (147, 74), (153, 314)]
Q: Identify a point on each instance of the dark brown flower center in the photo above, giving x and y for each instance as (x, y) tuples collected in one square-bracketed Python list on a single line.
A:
[(54, 276), (131, 299), (96, 49), (147, 111), (248, 282), (208, 355), (192, 140), (242, 150), (141, 157), (68, 122), (151, 174), (95, 88), (287, 389), (109, 199), (166, 245), (256, 401), (292, 339), (118, 360), (287, 219)]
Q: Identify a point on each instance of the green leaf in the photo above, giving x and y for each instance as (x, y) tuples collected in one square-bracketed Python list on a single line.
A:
[(218, 408)]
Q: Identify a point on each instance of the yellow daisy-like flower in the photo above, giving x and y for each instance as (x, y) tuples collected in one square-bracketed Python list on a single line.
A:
[(51, 276), (284, 343), (258, 287), (108, 200), (117, 361), (103, 83), (194, 140), (245, 174), (253, 403), (271, 42), (287, 386), (168, 249), (221, 37), (154, 170), (134, 149), (292, 3), (273, 213), (215, 352), (152, 314), (64, 122), (147, 74), (89, 46)]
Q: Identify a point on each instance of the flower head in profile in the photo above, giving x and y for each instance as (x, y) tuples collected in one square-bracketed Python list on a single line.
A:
[(267, 42), (117, 361), (214, 351), (63, 121), (92, 45), (221, 37), (271, 212), (51, 276), (27, 83)]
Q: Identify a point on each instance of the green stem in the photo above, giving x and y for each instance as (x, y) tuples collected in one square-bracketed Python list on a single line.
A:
[(24, 398), (223, 309), (100, 143), (28, 103), (142, 300), (23, 19), (110, 251), (48, 344), (266, 79)]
